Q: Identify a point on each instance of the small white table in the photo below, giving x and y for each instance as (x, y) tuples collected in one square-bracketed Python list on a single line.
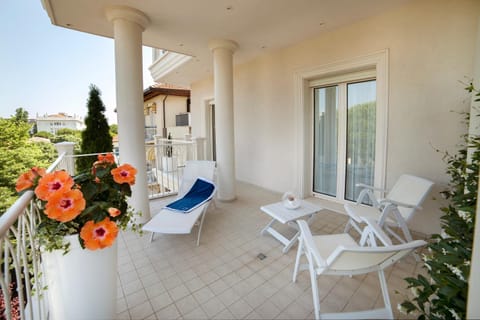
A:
[(279, 213)]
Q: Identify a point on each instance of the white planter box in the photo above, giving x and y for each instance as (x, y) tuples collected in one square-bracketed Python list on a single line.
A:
[(83, 283)]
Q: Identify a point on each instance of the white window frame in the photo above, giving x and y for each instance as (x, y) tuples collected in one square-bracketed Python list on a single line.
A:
[(303, 96)]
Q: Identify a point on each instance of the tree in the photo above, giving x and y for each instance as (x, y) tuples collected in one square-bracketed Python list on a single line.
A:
[(96, 137), (69, 135), (44, 134), (113, 129), (17, 155), (21, 115)]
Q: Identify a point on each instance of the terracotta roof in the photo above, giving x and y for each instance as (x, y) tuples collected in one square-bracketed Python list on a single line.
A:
[(165, 89)]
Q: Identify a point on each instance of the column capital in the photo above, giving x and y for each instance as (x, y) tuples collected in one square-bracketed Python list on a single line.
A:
[(223, 44), (127, 13)]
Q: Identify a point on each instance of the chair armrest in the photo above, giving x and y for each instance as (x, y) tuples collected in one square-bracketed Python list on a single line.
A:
[(377, 231), (398, 204), (366, 186), (367, 191)]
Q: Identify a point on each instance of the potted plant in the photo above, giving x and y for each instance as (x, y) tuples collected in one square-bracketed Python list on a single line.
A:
[(80, 218)]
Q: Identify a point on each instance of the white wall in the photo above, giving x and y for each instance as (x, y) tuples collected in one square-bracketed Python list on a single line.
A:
[(431, 49), (173, 106)]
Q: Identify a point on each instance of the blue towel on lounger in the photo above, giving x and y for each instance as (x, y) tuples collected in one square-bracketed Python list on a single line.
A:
[(200, 192)]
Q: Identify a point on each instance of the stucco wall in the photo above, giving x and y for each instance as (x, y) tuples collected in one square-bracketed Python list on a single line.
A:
[(431, 50), (173, 106)]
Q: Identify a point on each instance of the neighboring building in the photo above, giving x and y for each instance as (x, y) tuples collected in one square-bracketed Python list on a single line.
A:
[(167, 110), (53, 122)]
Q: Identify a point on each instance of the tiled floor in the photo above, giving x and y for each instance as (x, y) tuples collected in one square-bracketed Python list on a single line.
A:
[(172, 278)]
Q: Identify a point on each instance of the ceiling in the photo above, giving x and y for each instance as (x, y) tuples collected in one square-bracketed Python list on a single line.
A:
[(186, 26)]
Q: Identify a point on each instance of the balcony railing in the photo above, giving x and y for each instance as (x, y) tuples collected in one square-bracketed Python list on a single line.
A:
[(22, 284), (165, 162)]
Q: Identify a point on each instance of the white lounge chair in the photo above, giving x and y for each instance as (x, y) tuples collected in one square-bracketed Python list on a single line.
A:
[(339, 254), (395, 210), (170, 222)]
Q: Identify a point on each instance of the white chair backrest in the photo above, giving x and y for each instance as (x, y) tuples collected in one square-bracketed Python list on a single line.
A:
[(358, 260), (411, 190), (354, 260), (193, 170)]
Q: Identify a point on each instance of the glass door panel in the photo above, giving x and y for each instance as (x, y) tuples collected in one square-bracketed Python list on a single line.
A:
[(325, 140), (361, 123)]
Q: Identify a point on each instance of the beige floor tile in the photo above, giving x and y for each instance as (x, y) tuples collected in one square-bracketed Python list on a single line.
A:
[(218, 286), (224, 315), (125, 315), (268, 310), (255, 298), (196, 314), (161, 301), (155, 290), (136, 298), (169, 312), (203, 295), (194, 284), (179, 292), (186, 304), (212, 307), (223, 278), (141, 311), (228, 297), (240, 309)]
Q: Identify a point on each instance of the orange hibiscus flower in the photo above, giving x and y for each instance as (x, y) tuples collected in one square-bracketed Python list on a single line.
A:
[(65, 206), (27, 179), (108, 157), (124, 174), (55, 182), (99, 235), (113, 212)]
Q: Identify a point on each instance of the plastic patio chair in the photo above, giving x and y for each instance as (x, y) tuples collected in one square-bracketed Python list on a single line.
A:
[(395, 210), (340, 255), (170, 222)]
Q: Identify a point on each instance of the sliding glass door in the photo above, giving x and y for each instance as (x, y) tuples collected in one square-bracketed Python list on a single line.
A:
[(344, 138)]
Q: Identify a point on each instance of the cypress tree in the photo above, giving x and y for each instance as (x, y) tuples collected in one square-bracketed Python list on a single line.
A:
[(96, 136)]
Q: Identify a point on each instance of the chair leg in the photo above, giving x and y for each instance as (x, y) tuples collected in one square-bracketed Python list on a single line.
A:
[(351, 223), (297, 260), (313, 280), (201, 225), (408, 237), (151, 236), (386, 297)]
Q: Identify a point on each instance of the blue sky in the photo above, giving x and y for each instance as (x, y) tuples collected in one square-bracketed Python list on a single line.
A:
[(48, 69)]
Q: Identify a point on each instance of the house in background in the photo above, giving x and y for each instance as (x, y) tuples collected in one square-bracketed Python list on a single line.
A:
[(309, 96), (167, 110), (53, 122)]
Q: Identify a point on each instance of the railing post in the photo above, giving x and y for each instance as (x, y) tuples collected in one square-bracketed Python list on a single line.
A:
[(68, 163)]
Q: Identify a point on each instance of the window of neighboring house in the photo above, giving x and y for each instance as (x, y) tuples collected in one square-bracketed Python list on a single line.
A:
[(345, 134)]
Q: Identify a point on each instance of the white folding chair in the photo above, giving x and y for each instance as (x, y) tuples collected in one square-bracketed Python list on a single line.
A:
[(395, 210), (169, 222), (339, 254)]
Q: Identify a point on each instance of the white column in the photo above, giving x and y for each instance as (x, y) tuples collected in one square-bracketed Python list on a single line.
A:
[(128, 25), (223, 86), (473, 307)]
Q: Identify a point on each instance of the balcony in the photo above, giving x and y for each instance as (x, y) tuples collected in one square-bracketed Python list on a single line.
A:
[(225, 277)]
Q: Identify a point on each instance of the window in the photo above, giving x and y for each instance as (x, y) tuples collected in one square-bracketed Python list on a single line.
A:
[(344, 130)]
